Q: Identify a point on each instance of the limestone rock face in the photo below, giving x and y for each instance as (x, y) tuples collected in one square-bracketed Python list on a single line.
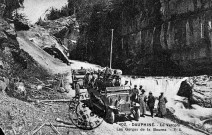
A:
[(178, 30), (153, 37)]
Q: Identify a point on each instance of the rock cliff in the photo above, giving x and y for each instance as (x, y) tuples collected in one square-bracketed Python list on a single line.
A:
[(152, 37), (66, 29), (171, 34)]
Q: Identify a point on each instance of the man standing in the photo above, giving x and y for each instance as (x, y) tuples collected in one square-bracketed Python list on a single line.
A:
[(134, 94), (151, 103), (76, 87), (90, 80), (162, 105), (135, 90), (99, 84), (117, 81), (142, 99), (74, 75), (86, 79), (140, 88)]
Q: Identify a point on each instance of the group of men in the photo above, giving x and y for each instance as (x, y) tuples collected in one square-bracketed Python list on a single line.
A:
[(98, 80), (144, 101)]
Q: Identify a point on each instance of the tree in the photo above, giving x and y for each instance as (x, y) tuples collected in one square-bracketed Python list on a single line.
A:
[(11, 6)]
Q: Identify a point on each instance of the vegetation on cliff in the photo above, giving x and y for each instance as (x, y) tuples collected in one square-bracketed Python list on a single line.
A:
[(11, 6)]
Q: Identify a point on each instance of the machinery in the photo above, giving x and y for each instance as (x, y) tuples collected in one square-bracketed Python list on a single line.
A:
[(114, 102)]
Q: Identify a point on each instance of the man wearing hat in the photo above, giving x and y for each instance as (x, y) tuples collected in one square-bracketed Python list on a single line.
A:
[(142, 99), (135, 90), (162, 105), (99, 83), (151, 103), (117, 81), (134, 94), (108, 81), (140, 89)]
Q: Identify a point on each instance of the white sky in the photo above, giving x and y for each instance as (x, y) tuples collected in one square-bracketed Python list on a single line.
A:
[(33, 9)]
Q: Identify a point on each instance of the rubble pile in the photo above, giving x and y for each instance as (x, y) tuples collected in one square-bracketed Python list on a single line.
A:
[(50, 88), (24, 118), (35, 89)]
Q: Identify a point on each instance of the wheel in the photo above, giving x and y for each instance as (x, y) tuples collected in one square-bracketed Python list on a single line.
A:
[(83, 118), (137, 114), (110, 117)]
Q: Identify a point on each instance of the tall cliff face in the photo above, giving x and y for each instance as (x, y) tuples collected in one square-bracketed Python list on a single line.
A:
[(188, 36), (168, 36), (151, 37)]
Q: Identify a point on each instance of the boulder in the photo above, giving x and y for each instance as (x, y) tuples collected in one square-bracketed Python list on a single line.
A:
[(19, 90), (197, 91)]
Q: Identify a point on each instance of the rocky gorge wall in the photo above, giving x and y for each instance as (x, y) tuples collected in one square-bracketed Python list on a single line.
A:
[(151, 37), (169, 34)]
